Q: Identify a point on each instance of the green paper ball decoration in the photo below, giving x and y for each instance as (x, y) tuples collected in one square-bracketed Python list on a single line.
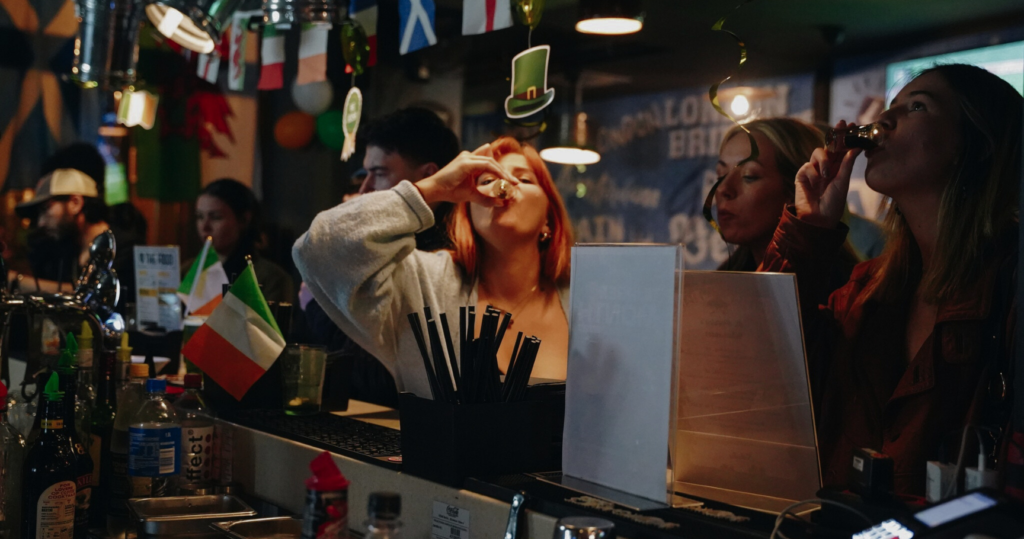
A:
[(355, 47), (329, 127)]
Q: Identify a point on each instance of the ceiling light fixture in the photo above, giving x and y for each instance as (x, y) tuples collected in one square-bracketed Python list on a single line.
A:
[(610, 17), (574, 145)]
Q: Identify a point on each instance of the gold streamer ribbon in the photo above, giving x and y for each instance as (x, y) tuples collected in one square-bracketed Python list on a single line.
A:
[(713, 95)]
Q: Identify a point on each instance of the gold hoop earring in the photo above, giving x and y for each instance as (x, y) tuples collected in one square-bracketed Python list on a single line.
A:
[(545, 236)]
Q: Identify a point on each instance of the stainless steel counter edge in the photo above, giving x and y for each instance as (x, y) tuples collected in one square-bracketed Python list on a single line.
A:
[(275, 469)]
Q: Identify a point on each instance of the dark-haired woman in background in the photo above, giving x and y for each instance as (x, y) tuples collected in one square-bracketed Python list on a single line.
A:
[(910, 350), (228, 212)]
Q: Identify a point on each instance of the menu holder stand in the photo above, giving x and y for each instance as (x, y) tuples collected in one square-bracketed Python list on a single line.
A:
[(446, 442)]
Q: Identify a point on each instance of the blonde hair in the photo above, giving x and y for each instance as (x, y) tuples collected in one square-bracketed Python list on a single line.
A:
[(793, 141), (978, 202)]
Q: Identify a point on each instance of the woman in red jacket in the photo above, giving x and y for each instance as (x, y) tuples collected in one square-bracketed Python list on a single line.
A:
[(917, 345)]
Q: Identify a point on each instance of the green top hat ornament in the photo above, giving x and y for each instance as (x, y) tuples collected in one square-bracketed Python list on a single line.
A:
[(530, 92)]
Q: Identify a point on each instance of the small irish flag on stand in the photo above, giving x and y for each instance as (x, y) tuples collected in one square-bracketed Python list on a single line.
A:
[(203, 285), (240, 341)]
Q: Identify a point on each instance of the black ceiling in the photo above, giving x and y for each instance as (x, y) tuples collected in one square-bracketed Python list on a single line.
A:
[(678, 49)]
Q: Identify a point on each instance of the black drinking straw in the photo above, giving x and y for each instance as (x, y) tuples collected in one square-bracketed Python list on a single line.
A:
[(444, 377), (452, 358), (524, 379), (417, 332), (512, 360)]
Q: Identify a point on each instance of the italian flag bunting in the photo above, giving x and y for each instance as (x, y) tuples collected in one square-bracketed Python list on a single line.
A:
[(240, 341), (271, 59)]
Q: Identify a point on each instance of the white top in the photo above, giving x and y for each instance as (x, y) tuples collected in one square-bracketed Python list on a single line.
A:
[(360, 262)]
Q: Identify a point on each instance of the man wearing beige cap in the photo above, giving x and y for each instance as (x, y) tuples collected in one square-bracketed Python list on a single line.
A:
[(67, 206)]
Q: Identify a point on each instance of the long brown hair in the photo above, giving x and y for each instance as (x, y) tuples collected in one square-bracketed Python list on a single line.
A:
[(556, 252), (977, 204)]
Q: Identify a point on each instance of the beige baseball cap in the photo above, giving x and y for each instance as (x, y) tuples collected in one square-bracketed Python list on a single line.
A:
[(63, 181)]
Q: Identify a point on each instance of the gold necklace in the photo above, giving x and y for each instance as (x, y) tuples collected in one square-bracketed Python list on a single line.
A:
[(515, 309)]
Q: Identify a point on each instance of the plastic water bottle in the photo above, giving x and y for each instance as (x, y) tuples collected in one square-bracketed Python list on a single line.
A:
[(128, 401), (154, 445), (197, 437)]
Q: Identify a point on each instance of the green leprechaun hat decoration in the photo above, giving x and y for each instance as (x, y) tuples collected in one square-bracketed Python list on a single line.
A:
[(530, 92)]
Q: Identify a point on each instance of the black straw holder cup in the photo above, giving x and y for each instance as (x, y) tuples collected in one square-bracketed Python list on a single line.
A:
[(446, 442)]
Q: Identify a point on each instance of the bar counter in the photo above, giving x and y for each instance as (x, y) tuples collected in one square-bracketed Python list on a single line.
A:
[(274, 469)]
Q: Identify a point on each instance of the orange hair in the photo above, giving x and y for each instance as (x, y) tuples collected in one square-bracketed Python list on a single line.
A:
[(556, 253)]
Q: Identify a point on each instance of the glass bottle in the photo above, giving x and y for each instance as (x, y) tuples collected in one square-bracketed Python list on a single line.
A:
[(837, 142), (86, 384), (48, 494), (197, 437), (101, 423), (12, 459), (68, 383), (154, 445)]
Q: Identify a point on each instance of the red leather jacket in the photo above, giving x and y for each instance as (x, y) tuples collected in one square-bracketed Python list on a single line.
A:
[(866, 394)]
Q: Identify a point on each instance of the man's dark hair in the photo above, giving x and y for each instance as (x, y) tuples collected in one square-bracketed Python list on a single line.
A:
[(86, 158), (417, 134)]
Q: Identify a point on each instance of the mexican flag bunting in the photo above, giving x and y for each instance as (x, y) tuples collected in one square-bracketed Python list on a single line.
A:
[(240, 341)]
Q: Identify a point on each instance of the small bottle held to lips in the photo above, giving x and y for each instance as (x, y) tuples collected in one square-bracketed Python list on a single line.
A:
[(838, 141)]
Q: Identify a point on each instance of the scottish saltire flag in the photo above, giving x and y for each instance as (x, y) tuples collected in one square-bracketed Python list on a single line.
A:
[(482, 16), (365, 13), (271, 59), (240, 341), (313, 53), (416, 25), (203, 285)]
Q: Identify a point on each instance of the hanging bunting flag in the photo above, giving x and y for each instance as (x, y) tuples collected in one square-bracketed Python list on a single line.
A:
[(272, 59), (365, 13), (236, 48), (482, 16), (209, 66), (416, 25), (313, 53)]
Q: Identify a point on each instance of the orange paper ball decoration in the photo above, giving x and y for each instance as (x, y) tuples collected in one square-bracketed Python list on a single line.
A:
[(294, 130)]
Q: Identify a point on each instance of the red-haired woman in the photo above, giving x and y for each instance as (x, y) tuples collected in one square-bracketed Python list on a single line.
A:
[(360, 261)]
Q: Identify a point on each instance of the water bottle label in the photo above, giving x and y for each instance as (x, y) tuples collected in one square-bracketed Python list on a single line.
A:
[(198, 461), (154, 452), (55, 511)]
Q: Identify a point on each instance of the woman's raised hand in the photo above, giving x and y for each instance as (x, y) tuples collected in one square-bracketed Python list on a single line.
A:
[(822, 184), (456, 182)]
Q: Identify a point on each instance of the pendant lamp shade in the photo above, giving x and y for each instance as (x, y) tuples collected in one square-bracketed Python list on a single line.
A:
[(610, 17), (574, 145), (193, 24)]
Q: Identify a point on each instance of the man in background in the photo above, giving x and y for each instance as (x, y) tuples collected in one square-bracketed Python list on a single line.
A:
[(409, 144)]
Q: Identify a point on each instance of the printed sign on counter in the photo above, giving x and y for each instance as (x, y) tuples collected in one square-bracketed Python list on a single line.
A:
[(450, 522), (157, 276)]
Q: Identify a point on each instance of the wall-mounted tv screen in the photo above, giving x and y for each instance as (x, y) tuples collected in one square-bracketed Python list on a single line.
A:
[(1006, 61)]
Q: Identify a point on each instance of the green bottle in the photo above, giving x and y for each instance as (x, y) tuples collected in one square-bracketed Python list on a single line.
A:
[(48, 492), (101, 429)]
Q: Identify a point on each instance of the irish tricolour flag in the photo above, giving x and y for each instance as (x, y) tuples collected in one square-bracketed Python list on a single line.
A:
[(240, 340), (203, 285)]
